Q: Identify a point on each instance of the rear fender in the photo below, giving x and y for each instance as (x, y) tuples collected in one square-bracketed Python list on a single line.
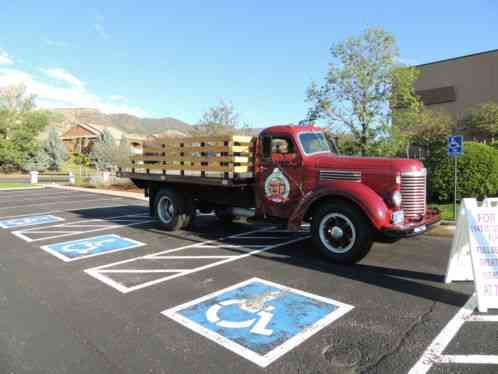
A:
[(372, 205)]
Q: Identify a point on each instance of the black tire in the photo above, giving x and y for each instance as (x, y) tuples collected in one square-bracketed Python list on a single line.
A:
[(224, 217), (190, 213), (341, 232), (169, 209)]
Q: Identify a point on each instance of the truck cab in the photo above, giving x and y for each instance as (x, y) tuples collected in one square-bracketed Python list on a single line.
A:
[(350, 201)]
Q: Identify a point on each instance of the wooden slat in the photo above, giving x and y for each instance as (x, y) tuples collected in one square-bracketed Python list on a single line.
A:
[(209, 139), (231, 159)]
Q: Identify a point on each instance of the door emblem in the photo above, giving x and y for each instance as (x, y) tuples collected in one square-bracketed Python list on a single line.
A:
[(277, 187)]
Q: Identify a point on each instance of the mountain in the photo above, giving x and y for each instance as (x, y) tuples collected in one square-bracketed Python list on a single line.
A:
[(64, 118)]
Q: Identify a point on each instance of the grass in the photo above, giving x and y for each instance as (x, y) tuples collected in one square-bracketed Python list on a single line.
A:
[(15, 185), (446, 210)]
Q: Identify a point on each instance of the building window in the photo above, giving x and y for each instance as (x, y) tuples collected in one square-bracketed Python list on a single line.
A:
[(439, 95)]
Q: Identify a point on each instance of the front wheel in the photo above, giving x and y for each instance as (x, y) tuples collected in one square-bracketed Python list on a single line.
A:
[(341, 232)]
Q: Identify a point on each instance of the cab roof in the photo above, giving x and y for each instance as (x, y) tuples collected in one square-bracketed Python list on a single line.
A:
[(291, 129)]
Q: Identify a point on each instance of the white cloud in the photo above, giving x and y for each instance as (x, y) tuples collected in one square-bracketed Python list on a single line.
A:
[(74, 96), (101, 31), (408, 61), (5, 59), (63, 75)]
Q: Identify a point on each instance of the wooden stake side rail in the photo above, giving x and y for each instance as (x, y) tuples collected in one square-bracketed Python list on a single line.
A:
[(227, 157)]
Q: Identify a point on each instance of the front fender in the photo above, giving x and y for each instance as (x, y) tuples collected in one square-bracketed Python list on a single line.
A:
[(367, 199)]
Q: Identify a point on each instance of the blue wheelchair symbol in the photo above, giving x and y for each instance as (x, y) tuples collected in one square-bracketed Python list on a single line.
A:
[(257, 319), (455, 145), (29, 221), (89, 247)]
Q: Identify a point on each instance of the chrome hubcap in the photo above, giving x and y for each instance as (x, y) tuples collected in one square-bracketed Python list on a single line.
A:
[(166, 209), (337, 233)]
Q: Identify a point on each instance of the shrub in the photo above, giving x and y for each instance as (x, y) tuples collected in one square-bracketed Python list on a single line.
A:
[(477, 174)]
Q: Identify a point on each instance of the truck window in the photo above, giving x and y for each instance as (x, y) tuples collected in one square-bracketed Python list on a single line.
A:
[(314, 142), (281, 146)]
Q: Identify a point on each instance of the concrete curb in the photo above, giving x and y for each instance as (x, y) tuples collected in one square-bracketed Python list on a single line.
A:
[(128, 195)]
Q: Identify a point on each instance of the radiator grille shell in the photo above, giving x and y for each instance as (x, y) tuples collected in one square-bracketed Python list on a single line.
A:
[(414, 194)]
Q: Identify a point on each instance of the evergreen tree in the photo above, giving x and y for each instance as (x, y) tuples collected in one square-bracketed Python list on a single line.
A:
[(55, 150), (104, 150)]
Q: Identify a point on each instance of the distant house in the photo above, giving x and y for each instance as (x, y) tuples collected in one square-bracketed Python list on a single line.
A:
[(81, 137)]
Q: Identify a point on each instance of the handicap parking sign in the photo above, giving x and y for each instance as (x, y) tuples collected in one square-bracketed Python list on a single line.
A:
[(257, 319), (455, 145), (89, 247), (29, 221)]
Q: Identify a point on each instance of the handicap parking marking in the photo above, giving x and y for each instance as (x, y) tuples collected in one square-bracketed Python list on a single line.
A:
[(258, 319), (29, 221), (162, 266), (91, 247)]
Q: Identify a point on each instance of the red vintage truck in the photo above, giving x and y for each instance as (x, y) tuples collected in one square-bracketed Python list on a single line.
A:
[(287, 174)]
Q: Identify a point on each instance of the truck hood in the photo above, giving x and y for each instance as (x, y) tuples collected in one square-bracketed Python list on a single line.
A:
[(369, 165)]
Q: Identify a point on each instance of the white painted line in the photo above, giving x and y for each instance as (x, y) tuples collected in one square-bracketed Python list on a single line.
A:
[(28, 197), (483, 318), (469, 359), (96, 272), (107, 223), (138, 271), (69, 210), (434, 352), (187, 257), (58, 202), (20, 188), (133, 244), (260, 360)]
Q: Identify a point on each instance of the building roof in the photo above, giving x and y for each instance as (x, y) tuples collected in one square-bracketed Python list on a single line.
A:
[(458, 58)]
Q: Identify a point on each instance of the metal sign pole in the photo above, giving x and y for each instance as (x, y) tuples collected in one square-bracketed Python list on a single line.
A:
[(455, 189)]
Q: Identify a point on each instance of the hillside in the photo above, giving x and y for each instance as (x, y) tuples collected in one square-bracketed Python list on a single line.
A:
[(64, 117)]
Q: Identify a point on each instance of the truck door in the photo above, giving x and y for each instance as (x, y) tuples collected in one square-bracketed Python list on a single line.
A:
[(280, 175)]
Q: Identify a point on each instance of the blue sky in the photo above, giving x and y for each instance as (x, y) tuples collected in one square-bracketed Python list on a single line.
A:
[(165, 58)]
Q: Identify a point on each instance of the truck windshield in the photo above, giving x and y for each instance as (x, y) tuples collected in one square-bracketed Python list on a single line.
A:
[(315, 142)]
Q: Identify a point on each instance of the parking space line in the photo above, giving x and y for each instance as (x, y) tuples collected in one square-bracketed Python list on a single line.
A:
[(434, 353), (469, 359), (138, 271), (56, 202), (68, 210), (92, 225), (99, 271), (27, 197)]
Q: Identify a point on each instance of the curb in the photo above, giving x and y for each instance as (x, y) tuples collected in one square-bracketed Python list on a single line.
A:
[(129, 195)]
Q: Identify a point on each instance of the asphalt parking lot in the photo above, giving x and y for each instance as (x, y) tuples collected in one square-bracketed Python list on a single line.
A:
[(89, 284)]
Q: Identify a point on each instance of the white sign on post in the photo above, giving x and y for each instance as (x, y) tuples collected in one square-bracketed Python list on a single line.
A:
[(474, 251)]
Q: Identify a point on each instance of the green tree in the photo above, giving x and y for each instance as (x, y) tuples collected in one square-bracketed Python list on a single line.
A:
[(123, 153), (483, 118), (20, 125), (363, 83), (38, 161), (104, 150), (221, 119), (55, 150)]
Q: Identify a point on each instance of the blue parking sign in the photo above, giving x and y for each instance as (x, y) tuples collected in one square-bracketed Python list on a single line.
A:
[(29, 221), (455, 145), (90, 247), (257, 319)]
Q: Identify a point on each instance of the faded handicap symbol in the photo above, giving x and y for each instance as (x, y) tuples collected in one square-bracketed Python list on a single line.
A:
[(258, 319), (29, 221), (83, 248), (86, 247), (260, 323)]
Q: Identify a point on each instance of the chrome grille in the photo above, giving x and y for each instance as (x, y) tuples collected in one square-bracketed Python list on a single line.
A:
[(345, 175), (413, 193)]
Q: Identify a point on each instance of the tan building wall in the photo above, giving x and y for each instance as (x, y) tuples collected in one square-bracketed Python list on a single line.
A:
[(457, 84)]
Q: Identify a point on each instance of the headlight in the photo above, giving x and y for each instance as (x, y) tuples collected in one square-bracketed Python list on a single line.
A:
[(396, 199)]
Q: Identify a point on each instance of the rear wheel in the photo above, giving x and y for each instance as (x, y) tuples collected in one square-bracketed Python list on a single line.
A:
[(169, 208), (341, 232)]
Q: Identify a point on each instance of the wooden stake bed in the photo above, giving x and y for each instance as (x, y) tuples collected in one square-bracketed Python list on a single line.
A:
[(218, 157)]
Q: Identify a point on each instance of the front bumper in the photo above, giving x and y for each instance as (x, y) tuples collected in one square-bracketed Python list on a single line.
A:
[(431, 218)]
